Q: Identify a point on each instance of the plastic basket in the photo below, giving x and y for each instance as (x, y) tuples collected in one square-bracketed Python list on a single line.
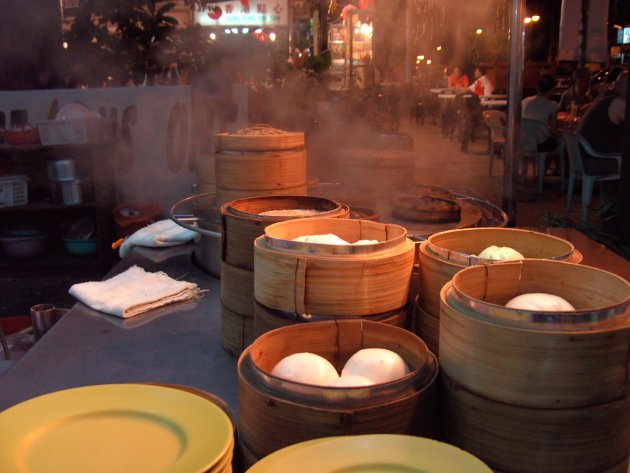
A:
[(13, 190)]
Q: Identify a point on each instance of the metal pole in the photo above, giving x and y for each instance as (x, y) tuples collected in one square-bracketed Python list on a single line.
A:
[(407, 53), (517, 48), (583, 33)]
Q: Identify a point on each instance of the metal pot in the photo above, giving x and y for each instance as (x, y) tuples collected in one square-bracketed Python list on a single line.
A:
[(200, 214)]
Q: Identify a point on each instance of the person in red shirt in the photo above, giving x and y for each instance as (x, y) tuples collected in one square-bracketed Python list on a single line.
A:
[(457, 79), (482, 84)]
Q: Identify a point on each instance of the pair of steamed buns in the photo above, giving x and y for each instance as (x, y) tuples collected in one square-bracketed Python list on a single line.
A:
[(366, 367), (331, 239)]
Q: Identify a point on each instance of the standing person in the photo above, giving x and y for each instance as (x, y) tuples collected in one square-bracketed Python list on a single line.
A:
[(482, 84), (457, 79), (540, 107), (580, 93)]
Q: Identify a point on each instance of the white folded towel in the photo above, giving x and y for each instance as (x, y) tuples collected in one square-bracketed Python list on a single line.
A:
[(132, 292), (162, 233)]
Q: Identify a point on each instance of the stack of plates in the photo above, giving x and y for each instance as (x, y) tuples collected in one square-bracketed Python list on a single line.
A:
[(382, 452), (117, 428)]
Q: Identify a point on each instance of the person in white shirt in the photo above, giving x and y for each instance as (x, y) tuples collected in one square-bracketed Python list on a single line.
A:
[(482, 85), (540, 107)]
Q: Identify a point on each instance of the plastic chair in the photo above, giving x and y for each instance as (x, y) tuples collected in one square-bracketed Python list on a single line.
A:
[(531, 130), (495, 121), (575, 143)]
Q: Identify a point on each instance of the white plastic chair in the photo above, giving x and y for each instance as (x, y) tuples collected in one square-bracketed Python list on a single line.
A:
[(575, 143), (531, 130)]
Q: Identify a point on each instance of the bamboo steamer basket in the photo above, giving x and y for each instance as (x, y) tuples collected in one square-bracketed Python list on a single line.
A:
[(242, 222), (516, 439), (266, 319), (446, 253), (237, 331), (275, 413), (260, 138), (260, 171), (426, 327), (534, 358), (237, 289), (363, 168), (204, 174), (259, 161), (307, 278)]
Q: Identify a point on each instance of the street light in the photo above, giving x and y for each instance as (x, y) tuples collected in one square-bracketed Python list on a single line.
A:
[(479, 31)]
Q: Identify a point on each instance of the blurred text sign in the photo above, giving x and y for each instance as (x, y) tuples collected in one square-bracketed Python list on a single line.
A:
[(249, 13)]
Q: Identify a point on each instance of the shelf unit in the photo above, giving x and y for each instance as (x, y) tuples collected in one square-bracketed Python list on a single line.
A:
[(94, 163)]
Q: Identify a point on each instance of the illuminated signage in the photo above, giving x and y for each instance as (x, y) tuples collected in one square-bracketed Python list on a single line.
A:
[(245, 12)]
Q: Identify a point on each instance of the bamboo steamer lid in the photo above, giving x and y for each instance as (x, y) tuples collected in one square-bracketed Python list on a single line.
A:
[(336, 280), (561, 359), (242, 222), (259, 138), (517, 439), (445, 253), (266, 319), (228, 195), (260, 170), (275, 413)]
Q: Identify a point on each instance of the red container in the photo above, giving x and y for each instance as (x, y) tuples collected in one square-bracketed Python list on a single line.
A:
[(129, 218)]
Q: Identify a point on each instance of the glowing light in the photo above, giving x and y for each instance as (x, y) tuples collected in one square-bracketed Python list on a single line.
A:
[(213, 36), (366, 29), (527, 20), (245, 30), (357, 31), (535, 18), (479, 31), (65, 45), (235, 30), (417, 61), (421, 57), (429, 61), (272, 36), (228, 31), (258, 30), (439, 48)]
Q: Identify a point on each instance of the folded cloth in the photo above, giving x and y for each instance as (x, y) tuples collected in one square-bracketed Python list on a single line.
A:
[(132, 292), (162, 233)]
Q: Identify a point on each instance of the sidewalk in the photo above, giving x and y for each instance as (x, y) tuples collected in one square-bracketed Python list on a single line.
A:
[(440, 162)]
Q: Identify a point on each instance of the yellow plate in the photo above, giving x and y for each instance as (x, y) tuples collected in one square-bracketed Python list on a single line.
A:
[(379, 453), (110, 428), (270, 461)]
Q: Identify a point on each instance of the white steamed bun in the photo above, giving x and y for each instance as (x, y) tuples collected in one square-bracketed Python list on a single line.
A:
[(378, 364), (504, 253), (351, 381), (306, 368), (540, 301)]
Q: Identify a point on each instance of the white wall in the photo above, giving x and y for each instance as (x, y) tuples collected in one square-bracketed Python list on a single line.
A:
[(148, 167)]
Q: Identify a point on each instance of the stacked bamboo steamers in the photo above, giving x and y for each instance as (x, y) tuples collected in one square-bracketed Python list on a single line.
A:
[(528, 390)]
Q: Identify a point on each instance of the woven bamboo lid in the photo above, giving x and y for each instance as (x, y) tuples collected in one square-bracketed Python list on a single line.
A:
[(259, 138)]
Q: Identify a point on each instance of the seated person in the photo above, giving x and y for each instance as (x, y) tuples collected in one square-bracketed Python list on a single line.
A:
[(540, 107), (457, 80), (602, 125), (580, 93), (482, 84)]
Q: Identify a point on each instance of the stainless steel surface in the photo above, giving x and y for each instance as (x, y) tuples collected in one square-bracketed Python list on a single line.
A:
[(199, 213), (177, 344), (61, 170)]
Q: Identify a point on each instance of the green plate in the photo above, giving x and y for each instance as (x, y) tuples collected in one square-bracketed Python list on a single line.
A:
[(114, 428)]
